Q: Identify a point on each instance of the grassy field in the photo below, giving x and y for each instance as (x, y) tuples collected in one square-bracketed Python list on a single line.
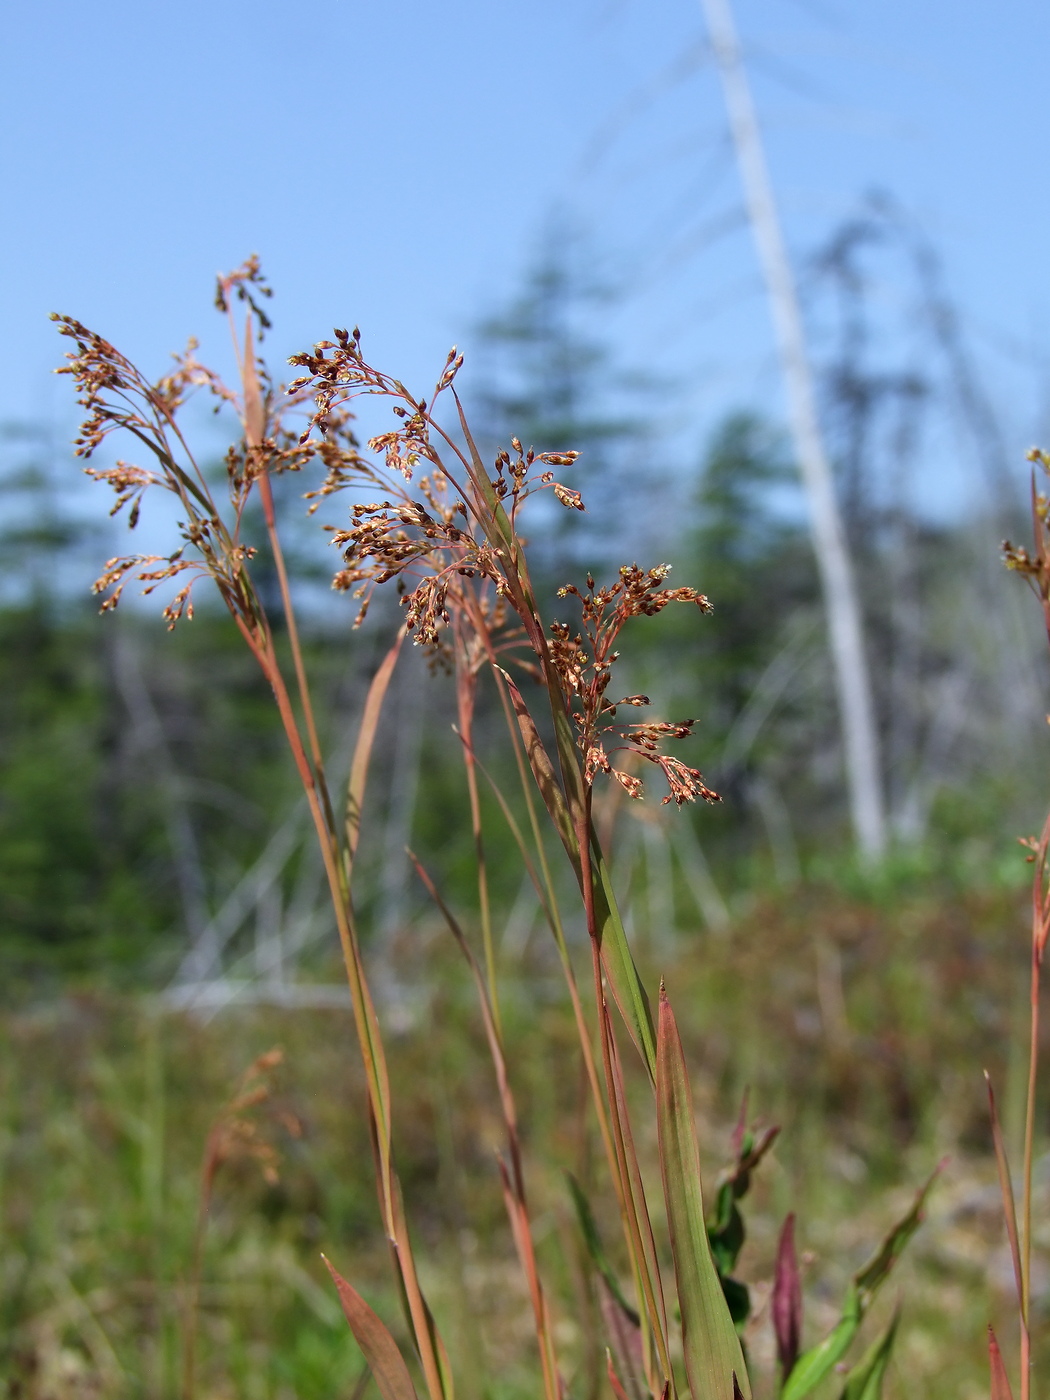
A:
[(860, 1026)]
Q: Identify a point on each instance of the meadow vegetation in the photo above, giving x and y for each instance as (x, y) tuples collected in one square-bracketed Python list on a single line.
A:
[(196, 1121)]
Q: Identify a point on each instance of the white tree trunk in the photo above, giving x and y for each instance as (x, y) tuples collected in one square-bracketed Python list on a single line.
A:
[(845, 625)]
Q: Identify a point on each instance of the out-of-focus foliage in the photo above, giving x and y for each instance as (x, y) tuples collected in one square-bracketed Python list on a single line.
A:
[(133, 786)]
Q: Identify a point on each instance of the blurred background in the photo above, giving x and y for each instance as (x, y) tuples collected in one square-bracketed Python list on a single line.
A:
[(556, 189)]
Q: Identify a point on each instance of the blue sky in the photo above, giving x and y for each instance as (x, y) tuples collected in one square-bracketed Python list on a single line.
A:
[(393, 165)]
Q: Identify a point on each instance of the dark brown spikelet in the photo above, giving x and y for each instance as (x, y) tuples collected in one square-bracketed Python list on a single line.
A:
[(584, 661)]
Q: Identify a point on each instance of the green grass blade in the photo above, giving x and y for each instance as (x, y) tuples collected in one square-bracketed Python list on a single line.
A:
[(639, 1230), (628, 992), (433, 1356), (1006, 1188), (813, 1365), (626, 985), (497, 526), (378, 1346), (714, 1361), (874, 1273), (864, 1381), (589, 1230)]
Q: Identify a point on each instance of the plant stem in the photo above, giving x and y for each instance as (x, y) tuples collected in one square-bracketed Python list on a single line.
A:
[(1029, 1153)]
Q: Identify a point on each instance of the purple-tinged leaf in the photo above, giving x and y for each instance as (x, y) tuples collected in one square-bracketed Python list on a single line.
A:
[(787, 1300), (625, 1340)]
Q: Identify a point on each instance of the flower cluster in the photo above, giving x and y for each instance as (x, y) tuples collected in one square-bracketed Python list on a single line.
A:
[(584, 662), (444, 538), (1034, 565), (116, 396), (389, 539)]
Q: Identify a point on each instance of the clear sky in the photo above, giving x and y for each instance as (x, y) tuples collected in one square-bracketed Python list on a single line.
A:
[(393, 163)]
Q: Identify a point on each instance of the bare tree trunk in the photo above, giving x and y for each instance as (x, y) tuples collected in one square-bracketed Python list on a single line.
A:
[(845, 625)]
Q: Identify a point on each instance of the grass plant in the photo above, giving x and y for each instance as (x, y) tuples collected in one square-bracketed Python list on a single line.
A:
[(1034, 566), (670, 1314)]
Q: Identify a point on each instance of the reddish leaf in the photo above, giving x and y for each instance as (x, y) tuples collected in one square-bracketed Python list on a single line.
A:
[(254, 412), (1006, 1188), (355, 794), (625, 1341), (379, 1348), (1000, 1380), (614, 1379)]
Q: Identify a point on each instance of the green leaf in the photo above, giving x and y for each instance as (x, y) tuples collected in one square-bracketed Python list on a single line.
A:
[(589, 1230), (738, 1300), (876, 1270), (714, 1360), (864, 1381), (726, 1232), (498, 527), (813, 1365), (624, 982), (379, 1348), (618, 961)]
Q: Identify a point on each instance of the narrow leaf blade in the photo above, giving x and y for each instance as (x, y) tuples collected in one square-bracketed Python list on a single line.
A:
[(625, 1341), (254, 412), (378, 1346), (714, 1360), (875, 1272), (626, 985), (864, 1381), (813, 1365), (543, 771), (355, 792), (595, 1248), (1000, 1380), (614, 1379), (618, 962), (1006, 1188)]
